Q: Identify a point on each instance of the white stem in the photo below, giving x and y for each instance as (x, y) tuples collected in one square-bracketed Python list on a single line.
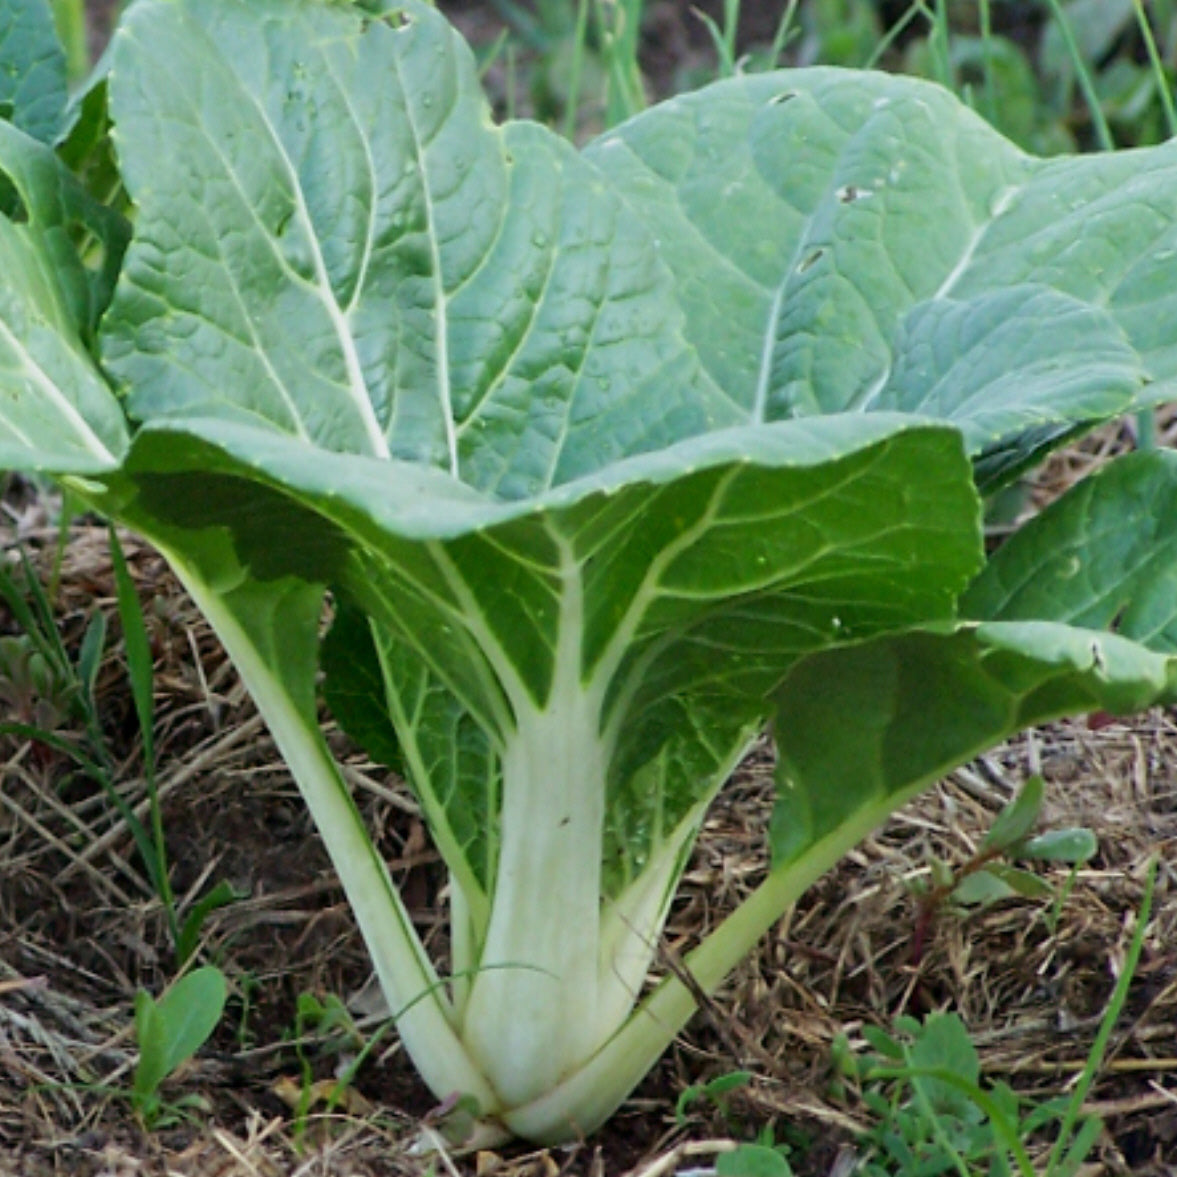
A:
[(463, 948), (531, 1019), (590, 1096), (407, 977)]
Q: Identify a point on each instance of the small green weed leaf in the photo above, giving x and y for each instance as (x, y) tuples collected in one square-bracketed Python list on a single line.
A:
[(1021, 882), (1087, 1133), (940, 873), (713, 1090), (1071, 845), (90, 654), (33, 84), (1018, 818), (943, 1043), (981, 888), (170, 1031), (883, 1043), (326, 1016), (190, 1010), (188, 939), (151, 1038), (752, 1160)]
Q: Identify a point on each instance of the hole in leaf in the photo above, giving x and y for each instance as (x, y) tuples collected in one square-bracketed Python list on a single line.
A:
[(809, 261), (783, 97), (849, 193), (399, 18)]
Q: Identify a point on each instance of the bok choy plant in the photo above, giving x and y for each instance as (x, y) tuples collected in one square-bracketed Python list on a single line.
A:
[(601, 462)]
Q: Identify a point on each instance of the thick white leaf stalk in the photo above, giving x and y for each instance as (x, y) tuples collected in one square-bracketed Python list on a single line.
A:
[(531, 1018)]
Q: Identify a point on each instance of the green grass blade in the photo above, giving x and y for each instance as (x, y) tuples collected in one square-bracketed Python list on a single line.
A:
[(140, 671), (1103, 133), (1157, 65), (1111, 1015)]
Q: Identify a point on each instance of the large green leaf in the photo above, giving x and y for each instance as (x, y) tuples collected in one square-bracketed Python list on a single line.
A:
[(375, 268), (1104, 556), (57, 413), (1101, 558), (33, 90), (843, 242), (859, 730), (691, 592)]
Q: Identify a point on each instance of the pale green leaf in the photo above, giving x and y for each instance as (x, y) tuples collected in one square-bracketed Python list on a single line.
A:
[(846, 242), (33, 91), (1067, 845), (1018, 818), (476, 300), (56, 412)]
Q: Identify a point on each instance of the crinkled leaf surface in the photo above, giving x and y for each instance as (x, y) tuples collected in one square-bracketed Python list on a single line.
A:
[(373, 268), (56, 411), (33, 88), (843, 243)]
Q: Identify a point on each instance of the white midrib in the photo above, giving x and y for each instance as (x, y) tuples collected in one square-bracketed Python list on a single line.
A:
[(356, 382), (866, 400), (80, 426), (946, 287), (626, 631), (764, 377), (541, 953), (440, 298)]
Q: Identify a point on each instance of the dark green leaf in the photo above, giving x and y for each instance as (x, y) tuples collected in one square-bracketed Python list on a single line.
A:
[(924, 703)]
